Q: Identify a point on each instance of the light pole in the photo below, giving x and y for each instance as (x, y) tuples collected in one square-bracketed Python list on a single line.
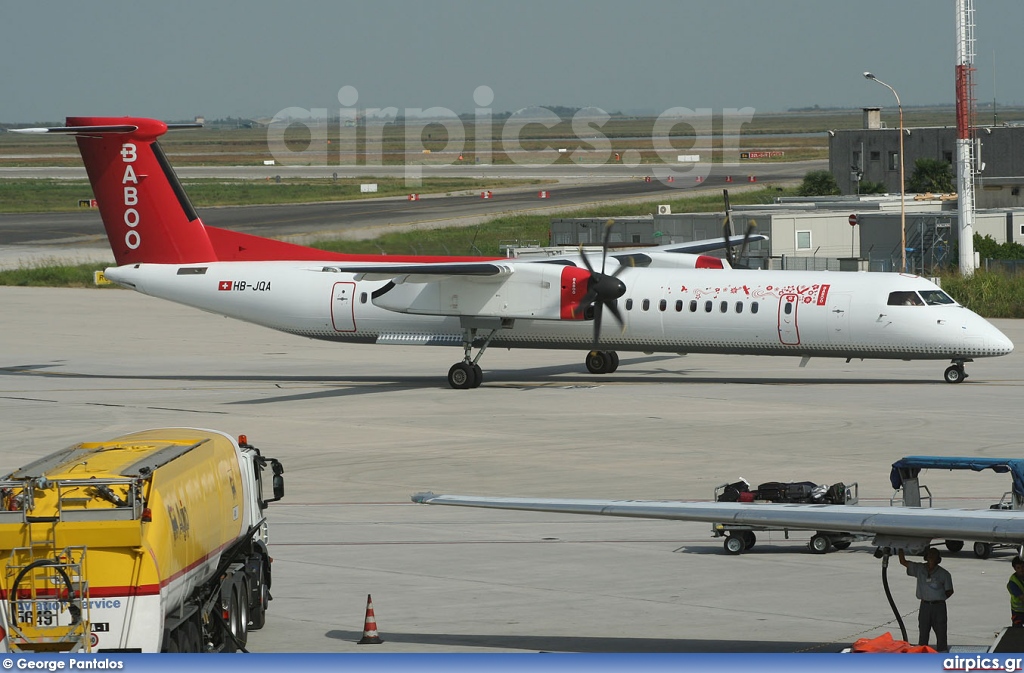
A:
[(903, 187)]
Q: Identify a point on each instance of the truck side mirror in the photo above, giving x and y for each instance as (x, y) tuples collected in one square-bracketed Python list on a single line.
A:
[(278, 469), (278, 487)]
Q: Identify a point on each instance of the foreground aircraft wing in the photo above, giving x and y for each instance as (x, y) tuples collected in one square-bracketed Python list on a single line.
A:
[(891, 526)]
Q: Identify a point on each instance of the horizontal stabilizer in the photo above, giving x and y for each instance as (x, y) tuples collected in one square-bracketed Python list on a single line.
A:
[(103, 128)]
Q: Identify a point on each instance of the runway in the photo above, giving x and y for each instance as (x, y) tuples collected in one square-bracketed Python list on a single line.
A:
[(361, 428)]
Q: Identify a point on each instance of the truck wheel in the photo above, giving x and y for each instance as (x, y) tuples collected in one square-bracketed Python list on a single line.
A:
[(819, 544), (842, 544), (171, 646), (749, 539), (954, 545), (240, 625), (258, 610), (232, 623), (982, 549), (733, 545), (193, 637)]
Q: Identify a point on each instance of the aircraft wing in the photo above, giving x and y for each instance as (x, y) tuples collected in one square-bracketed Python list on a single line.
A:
[(891, 526), (705, 245), (428, 272)]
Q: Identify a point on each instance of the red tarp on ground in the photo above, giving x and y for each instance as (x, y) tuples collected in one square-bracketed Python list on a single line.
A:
[(885, 644)]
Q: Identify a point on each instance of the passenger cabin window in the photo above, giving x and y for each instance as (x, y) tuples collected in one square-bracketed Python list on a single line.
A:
[(629, 304), (708, 306), (693, 306), (646, 304), (739, 307), (362, 297), (753, 307), (679, 305), (788, 308), (724, 307), (662, 305), (936, 298), (904, 299)]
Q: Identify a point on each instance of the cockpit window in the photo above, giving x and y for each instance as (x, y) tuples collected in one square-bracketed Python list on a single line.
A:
[(904, 299), (936, 298)]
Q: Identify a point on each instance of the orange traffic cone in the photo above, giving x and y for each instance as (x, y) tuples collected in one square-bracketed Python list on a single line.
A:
[(370, 636)]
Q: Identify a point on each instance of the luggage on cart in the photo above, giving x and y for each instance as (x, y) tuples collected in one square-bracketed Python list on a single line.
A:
[(772, 491), (836, 494), (778, 491), (738, 491)]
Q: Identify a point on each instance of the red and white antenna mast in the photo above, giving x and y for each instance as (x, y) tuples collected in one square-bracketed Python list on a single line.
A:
[(965, 131)]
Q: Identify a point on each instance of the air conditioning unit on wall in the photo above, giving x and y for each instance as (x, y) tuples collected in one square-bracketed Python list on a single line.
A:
[(665, 210)]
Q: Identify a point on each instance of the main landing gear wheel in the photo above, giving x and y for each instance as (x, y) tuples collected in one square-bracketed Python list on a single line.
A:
[(602, 362), (465, 375)]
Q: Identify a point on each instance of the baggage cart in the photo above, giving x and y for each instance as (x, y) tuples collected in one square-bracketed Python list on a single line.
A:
[(740, 538)]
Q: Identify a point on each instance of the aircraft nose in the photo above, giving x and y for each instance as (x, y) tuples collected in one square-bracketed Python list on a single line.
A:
[(999, 342), (979, 338), (994, 342)]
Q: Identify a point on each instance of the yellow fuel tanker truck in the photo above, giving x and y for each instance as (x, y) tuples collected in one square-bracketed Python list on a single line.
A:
[(151, 542)]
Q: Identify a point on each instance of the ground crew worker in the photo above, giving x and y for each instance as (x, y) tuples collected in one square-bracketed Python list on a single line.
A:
[(1016, 588), (934, 586)]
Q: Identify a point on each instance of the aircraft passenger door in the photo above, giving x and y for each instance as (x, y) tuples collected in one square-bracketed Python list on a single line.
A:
[(838, 319), (789, 333), (343, 307)]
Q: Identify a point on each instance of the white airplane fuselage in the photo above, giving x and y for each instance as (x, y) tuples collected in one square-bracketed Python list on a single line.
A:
[(664, 310)]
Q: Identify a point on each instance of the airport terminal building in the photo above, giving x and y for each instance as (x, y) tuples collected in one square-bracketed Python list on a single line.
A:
[(871, 154), (835, 233)]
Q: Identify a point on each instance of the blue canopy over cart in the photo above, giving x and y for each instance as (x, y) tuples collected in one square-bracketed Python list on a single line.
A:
[(906, 471)]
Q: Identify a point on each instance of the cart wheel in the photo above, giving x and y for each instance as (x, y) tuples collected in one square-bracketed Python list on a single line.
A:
[(734, 545), (982, 549), (842, 544), (749, 539), (819, 544), (954, 545)]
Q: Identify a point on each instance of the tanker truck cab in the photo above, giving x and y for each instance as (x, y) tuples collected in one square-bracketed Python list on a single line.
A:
[(155, 541)]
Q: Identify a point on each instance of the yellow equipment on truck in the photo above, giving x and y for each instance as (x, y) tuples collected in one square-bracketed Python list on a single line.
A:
[(150, 542)]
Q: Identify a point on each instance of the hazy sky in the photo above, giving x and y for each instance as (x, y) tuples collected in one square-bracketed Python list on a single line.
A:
[(177, 59)]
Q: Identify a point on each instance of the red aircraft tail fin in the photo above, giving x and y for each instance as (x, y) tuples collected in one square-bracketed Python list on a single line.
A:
[(145, 211)]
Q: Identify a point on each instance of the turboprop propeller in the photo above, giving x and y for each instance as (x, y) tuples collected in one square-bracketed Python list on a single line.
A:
[(602, 289), (735, 261)]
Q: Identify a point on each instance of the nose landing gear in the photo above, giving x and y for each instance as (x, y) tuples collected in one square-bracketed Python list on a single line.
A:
[(955, 372)]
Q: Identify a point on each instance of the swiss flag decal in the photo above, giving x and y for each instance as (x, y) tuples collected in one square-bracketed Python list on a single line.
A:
[(224, 285)]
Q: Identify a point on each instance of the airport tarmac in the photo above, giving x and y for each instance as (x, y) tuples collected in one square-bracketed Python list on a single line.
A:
[(360, 428)]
